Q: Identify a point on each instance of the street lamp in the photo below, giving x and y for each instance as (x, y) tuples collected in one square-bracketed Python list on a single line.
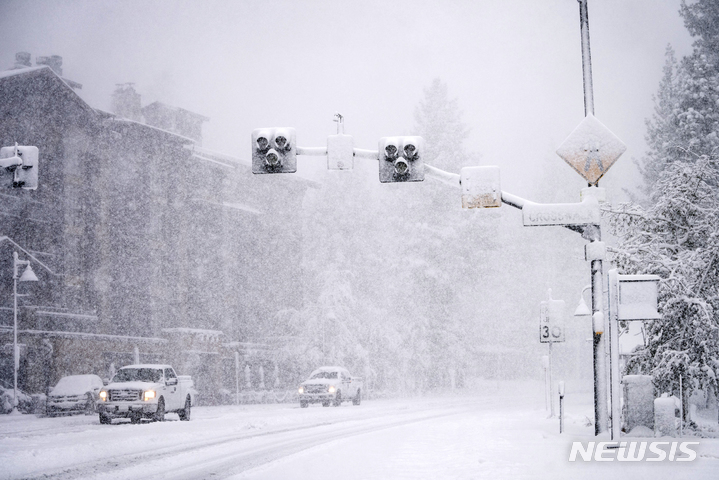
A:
[(582, 309), (27, 276)]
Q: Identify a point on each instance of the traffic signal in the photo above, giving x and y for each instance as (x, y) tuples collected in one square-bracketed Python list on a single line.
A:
[(18, 167), (400, 159), (274, 150)]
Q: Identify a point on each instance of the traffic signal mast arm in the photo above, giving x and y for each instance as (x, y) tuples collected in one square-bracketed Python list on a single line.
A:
[(400, 159), (322, 152), (579, 217), (582, 217)]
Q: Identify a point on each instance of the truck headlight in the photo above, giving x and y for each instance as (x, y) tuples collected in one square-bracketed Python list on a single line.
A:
[(103, 396), (332, 389), (301, 389), (148, 395)]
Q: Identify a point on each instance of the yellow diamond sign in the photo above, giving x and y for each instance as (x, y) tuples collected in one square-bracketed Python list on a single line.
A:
[(591, 149)]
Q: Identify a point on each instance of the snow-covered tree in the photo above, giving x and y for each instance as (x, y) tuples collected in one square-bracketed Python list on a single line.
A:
[(675, 235), (455, 245), (438, 119), (685, 123), (677, 238), (393, 272)]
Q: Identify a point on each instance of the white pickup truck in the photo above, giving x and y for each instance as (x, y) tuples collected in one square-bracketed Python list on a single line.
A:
[(146, 391), (330, 385)]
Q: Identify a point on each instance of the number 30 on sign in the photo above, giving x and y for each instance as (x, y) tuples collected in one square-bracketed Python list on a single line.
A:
[(551, 324)]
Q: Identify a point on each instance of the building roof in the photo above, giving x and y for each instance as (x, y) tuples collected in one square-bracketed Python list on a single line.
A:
[(7, 77), (147, 365), (11, 78), (170, 108), (20, 71), (92, 336)]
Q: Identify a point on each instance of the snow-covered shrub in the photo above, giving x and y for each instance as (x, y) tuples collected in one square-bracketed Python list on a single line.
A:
[(25, 402)]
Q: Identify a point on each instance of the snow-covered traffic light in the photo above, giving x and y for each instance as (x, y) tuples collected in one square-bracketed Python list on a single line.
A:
[(274, 150), (400, 159), (18, 167)]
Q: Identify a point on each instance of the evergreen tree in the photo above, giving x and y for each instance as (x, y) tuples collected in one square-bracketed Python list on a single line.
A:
[(685, 124), (675, 236), (450, 279), (663, 126), (438, 119), (702, 21), (393, 272)]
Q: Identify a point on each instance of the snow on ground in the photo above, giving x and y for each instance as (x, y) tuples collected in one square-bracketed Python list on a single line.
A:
[(495, 433), (510, 442)]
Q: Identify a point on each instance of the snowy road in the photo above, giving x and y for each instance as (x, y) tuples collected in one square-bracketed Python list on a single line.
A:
[(218, 440), (494, 435)]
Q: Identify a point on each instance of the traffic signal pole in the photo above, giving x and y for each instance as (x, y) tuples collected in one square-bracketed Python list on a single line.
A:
[(597, 270), (586, 58)]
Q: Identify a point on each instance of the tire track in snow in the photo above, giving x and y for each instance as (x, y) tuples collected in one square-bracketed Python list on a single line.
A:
[(234, 453)]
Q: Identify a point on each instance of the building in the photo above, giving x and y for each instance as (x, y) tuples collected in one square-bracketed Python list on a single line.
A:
[(145, 231), (175, 119)]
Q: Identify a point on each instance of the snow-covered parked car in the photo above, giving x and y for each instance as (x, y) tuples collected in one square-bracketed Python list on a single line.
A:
[(330, 385), (146, 391), (74, 394)]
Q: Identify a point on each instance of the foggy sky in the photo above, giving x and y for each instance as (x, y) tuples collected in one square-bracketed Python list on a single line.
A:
[(514, 65)]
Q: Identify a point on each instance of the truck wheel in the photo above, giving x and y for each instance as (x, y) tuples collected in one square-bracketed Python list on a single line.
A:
[(90, 407), (304, 404), (357, 399), (105, 419), (185, 412), (159, 415), (338, 399)]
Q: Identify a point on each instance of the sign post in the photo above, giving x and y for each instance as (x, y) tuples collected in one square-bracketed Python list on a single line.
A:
[(551, 330)]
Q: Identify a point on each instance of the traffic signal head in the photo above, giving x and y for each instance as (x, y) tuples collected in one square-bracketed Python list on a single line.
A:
[(400, 159), (18, 167), (274, 150)]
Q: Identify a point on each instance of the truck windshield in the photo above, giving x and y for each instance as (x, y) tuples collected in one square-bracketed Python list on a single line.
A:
[(138, 375), (325, 375)]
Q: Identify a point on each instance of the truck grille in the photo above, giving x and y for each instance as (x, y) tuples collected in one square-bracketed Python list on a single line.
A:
[(125, 395), (315, 388)]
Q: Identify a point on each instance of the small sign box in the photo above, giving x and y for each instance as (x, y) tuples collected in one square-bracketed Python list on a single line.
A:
[(340, 152), (638, 297), (551, 321), (481, 187)]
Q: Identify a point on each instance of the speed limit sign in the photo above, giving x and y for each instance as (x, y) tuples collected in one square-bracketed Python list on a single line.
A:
[(551, 321)]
